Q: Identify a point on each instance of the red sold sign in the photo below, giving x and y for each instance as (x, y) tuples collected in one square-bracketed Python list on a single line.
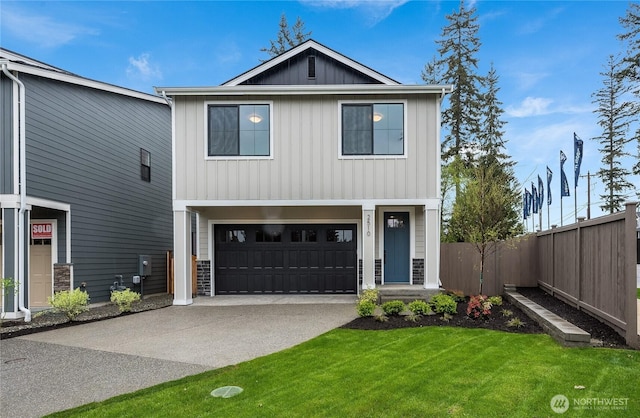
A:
[(41, 231)]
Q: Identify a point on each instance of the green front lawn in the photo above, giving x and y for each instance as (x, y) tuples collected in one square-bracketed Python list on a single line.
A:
[(415, 372)]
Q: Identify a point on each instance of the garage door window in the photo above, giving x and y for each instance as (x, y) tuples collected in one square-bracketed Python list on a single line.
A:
[(233, 235), (268, 236), (304, 235), (339, 235)]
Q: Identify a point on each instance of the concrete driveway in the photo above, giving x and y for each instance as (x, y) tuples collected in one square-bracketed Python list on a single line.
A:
[(56, 370)]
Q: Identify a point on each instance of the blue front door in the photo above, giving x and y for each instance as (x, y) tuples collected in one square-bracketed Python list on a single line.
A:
[(396, 247)]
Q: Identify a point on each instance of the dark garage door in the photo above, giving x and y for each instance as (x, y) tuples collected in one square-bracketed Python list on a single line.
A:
[(285, 259)]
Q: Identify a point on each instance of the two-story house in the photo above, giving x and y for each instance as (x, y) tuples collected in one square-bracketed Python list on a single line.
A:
[(310, 173), (85, 184)]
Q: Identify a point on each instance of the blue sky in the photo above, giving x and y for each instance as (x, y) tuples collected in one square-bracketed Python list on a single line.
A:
[(548, 56)]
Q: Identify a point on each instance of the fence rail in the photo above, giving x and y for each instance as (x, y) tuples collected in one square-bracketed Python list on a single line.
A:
[(590, 265)]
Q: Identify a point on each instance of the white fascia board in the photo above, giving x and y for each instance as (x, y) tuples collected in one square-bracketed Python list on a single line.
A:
[(318, 47), (81, 81), (183, 205), (284, 90)]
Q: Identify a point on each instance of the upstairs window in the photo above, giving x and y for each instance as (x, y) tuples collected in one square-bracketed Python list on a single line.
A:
[(145, 165), (373, 129), (238, 130)]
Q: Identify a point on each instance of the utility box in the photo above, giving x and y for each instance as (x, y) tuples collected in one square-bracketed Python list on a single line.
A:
[(144, 265)]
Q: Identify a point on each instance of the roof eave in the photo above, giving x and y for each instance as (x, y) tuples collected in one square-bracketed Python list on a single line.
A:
[(297, 90)]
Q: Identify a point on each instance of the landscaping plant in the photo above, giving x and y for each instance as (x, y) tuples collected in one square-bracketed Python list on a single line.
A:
[(495, 300), (70, 302), (7, 287), (442, 303), (367, 302), (124, 299), (393, 307), (420, 307), (479, 306)]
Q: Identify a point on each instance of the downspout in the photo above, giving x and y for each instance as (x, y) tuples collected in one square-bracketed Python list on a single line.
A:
[(23, 191)]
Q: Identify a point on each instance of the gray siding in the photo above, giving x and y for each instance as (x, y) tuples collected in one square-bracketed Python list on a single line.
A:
[(83, 149), (6, 136), (294, 71)]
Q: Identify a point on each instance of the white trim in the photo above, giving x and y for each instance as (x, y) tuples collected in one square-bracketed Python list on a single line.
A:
[(412, 236), (405, 135), (181, 205), (317, 221), (16, 139), (303, 47), (308, 90), (81, 81), (208, 157)]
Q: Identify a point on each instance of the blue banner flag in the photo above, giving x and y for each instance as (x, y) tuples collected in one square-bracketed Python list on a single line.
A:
[(564, 184), (541, 192), (534, 198), (525, 203), (549, 177), (577, 156)]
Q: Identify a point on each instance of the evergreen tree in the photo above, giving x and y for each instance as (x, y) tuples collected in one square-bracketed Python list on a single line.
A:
[(457, 60), (491, 137), (630, 70), (287, 37), (614, 117)]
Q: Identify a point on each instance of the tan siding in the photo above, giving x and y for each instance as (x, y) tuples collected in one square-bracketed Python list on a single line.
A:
[(420, 233), (305, 164)]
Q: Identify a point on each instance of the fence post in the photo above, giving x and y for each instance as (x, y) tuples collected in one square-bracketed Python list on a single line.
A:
[(630, 275)]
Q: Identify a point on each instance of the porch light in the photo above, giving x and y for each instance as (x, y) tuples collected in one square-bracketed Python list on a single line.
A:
[(255, 118), (377, 117)]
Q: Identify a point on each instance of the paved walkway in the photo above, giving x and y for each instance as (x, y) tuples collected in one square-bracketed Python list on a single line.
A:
[(56, 370)]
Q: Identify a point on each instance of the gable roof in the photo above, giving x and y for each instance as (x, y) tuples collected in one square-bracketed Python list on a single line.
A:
[(24, 64), (300, 49)]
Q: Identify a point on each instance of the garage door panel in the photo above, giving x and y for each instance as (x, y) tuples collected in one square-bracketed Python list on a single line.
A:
[(285, 259)]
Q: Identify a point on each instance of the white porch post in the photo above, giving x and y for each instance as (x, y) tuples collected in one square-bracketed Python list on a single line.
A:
[(368, 247), (182, 258), (432, 256)]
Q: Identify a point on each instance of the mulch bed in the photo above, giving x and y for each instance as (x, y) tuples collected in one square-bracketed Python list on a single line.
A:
[(498, 322)]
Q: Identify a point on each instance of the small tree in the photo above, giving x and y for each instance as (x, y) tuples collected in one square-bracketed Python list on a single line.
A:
[(287, 37), (7, 287), (483, 213)]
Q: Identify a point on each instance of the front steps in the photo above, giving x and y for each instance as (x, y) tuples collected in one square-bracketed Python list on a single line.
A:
[(405, 293)]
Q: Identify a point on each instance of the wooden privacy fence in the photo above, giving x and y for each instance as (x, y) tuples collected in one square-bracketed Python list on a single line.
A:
[(512, 262), (590, 265)]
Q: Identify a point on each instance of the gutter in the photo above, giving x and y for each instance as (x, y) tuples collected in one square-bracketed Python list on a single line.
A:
[(23, 191)]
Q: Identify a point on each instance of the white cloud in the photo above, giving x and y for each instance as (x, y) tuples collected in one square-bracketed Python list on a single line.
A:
[(530, 106), (141, 68), (42, 30), (374, 10), (536, 25)]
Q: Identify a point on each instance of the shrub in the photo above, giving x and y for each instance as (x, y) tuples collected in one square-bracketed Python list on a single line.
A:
[(365, 307), (370, 294), (479, 307), (457, 295), (70, 302), (515, 322), (382, 318), (507, 313), (495, 300), (420, 307), (412, 317), (393, 307), (442, 303), (124, 299)]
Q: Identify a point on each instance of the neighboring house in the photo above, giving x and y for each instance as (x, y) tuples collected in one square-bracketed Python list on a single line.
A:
[(309, 174), (85, 184)]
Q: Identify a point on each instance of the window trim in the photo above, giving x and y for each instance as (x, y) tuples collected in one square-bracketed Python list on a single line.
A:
[(208, 157), (145, 169), (404, 155)]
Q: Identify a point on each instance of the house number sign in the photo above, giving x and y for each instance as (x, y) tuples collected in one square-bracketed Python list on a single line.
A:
[(368, 225)]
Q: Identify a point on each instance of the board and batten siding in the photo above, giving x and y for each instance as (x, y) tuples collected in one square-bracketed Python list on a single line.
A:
[(306, 163), (83, 149)]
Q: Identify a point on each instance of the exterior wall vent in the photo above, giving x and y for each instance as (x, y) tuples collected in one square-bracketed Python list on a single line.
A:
[(311, 66)]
